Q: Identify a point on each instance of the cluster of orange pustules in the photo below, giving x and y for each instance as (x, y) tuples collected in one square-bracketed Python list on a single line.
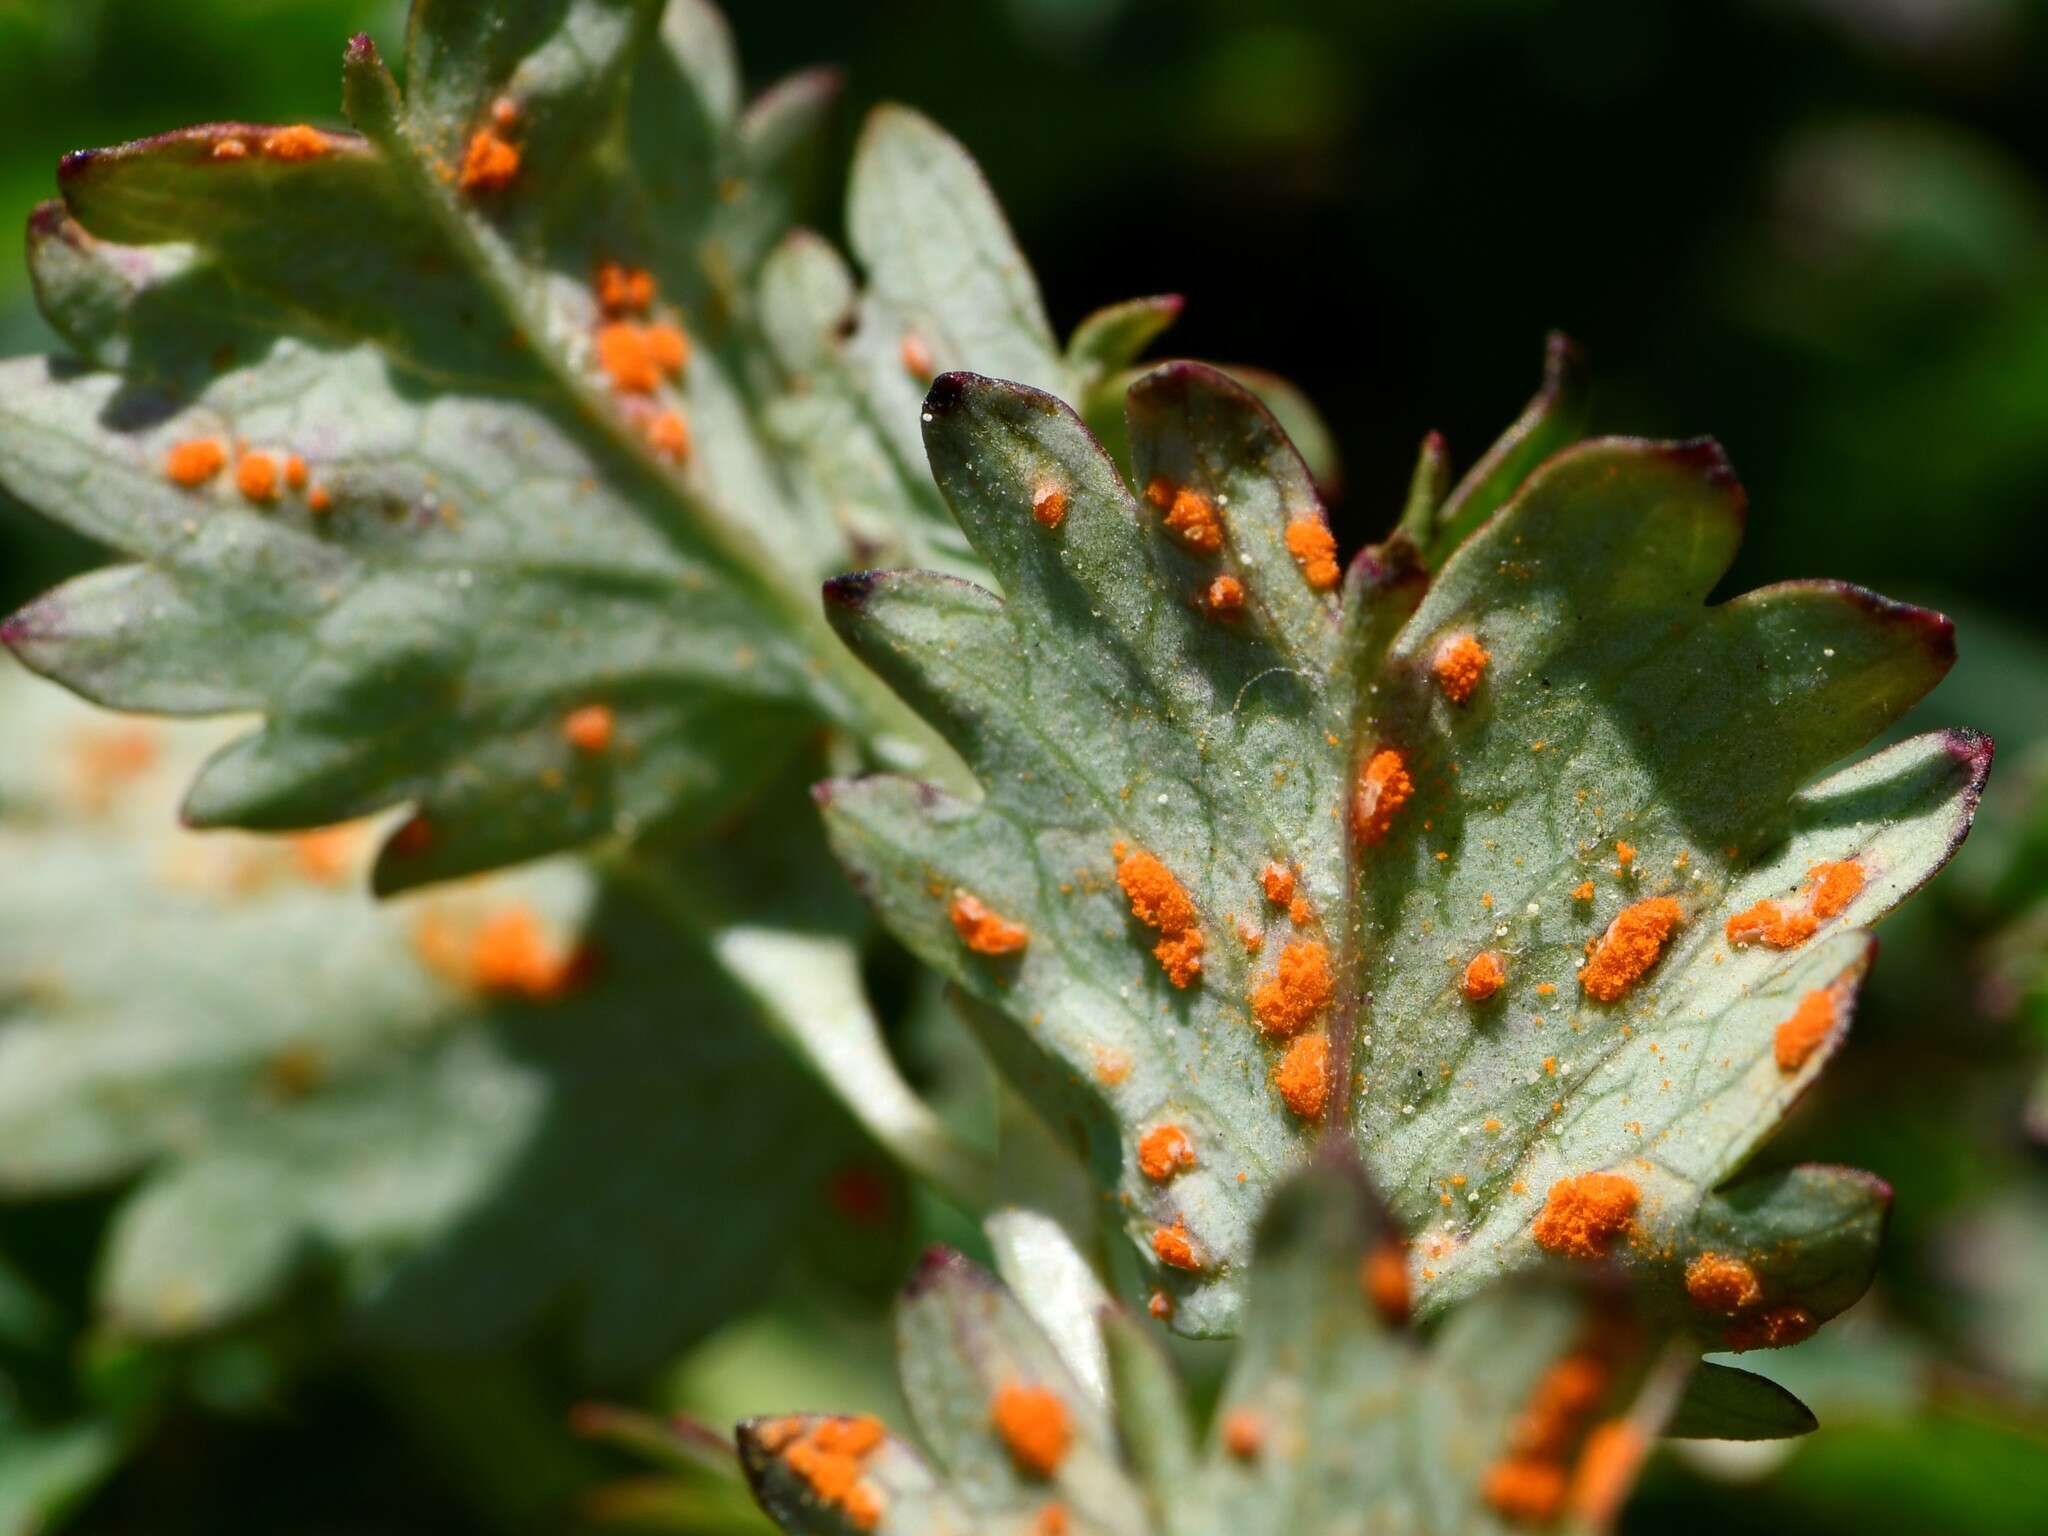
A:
[(830, 1456), (640, 355)]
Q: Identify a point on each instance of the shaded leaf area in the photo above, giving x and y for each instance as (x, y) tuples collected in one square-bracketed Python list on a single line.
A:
[(520, 1100), (1519, 864), (1334, 1418)]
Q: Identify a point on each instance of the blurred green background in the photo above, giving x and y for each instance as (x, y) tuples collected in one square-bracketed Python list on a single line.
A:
[(1816, 229)]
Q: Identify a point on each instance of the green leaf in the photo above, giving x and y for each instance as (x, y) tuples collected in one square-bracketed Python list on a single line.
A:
[(471, 1133), (1333, 1419), (1110, 707), (1723, 1403)]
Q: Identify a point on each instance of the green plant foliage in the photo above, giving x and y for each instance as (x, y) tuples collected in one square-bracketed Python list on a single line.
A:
[(524, 1097), (1333, 1418), (1624, 744)]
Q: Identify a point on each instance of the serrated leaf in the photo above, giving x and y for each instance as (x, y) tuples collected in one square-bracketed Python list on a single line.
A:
[(524, 1097), (1615, 742), (1723, 1403), (1334, 1419)]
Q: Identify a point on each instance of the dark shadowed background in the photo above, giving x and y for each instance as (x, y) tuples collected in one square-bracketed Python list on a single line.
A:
[(1815, 229)]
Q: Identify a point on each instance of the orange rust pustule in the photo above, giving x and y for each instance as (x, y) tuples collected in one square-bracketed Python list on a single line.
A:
[(1224, 597), (1776, 1329), (1526, 1491), (1722, 1283), (1033, 1425), (320, 499), (1632, 944), (589, 729), (829, 1460), (256, 477), (511, 955), (982, 929), (489, 163), (193, 463), (1314, 549), (1384, 786), (298, 142), (1460, 663), (1831, 886), (1048, 506), (669, 346), (1171, 1246), (1585, 1213), (1161, 902), (1244, 1433), (1193, 522), (326, 855), (1303, 1076), (1052, 1521), (1806, 1031), (1164, 1151), (230, 149), (1485, 974), (295, 472), (916, 357), (1300, 987), (1383, 1276), (1606, 1471), (1277, 880), (1829, 889), (624, 290), (626, 355), (668, 434)]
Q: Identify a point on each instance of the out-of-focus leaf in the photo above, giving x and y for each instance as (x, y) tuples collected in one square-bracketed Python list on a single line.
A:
[(1723, 1403), (1552, 755)]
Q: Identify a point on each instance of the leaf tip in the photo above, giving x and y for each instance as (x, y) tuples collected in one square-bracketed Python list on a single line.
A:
[(937, 1265), (947, 393), (851, 590), (1566, 373)]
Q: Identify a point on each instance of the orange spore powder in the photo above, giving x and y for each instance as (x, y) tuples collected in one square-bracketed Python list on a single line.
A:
[(624, 353), (298, 142), (1383, 788), (1225, 597), (1303, 1076), (1485, 975), (1460, 663), (1632, 944), (1277, 880), (1052, 1521), (624, 290), (1160, 901), (295, 472), (829, 1460), (1171, 1246), (1808, 1028), (1299, 988), (1244, 1433), (1193, 522), (1164, 1151), (589, 729), (195, 462), (320, 499), (1033, 1425), (489, 164), (1160, 1305), (1585, 1213), (1314, 549), (1606, 1470), (1830, 887), (1583, 891), (256, 477), (510, 954), (1528, 1492), (1722, 1283), (230, 149), (1383, 1276), (668, 434), (1112, 1066), (1049, 506), (917, 357), (1529, 1484), (1778, 1328), (669, 347), (982, 929), (325, 855)]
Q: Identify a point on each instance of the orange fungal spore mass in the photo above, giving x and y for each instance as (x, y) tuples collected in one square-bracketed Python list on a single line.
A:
[(195, 462), (1049, 506), (1383, 787), (982, 929), (1606, 1470), (1299, 988), (1277, 880), (1525, 1490), (1314, 549), (256, 477), (1033, 1425), (1244, 1433), (1159, 901), (668, 434), (1171, 1246), (1485, 975), (1585, 1213), (1383, 1276), (489, 164), (1460, 663), (511, 954), (1722, 1283), (1193, 521), (917, 357), (1806, 1031), (320, 499), (295, 472), (829, 1460), (230, 149), (298, 142), (1164, 1151), (669, 347), (1303, 1076), (1830, 887), (1631, 945), (1225, 597), (589, 729), (624, 353), (1778, 1328), (624, 290)]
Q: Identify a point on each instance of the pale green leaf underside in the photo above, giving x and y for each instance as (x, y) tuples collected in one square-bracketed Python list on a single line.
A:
[(1357, 1426), (297, 1076), (1101, 702)]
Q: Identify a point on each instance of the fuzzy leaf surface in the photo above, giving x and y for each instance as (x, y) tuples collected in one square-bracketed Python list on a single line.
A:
[(1623, 741)]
